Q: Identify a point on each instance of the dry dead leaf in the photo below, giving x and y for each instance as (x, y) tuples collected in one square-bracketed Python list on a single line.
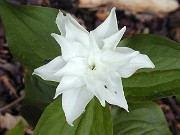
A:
[(6, 82), (9, 121), (102, 15), (158, 7), (177, 34)]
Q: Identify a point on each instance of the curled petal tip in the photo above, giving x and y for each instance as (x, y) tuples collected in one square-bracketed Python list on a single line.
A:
[(113, 9), (53, 34), (60, 11), (33, 73), (103, 104), (124, 106), (124, 28), (70, 123), (127, 109), (54, 97), (153, 66)]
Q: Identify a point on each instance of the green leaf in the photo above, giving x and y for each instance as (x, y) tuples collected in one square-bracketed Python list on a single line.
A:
[(38, 95), (95, 121), (178, 98), (142, 119), (18, 130), (163, 81), (28, 30)]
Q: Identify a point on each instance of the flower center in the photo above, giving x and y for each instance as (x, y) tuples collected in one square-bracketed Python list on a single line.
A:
[(93, 67)]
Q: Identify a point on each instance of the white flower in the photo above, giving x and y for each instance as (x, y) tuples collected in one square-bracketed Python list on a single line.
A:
[(91, 65)]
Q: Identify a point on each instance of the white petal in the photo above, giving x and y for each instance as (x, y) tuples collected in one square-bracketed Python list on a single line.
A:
[(124, 50), (95, 52), (114, 94), (96, 88), (140, 61), (112, 41), (69, 82), (70, 49), (75, 34), (47, 71), (107, 28), (114, 60), (107, 87), (75, 67), (75, 23), (74, 102), (61, 20), (95, 81)]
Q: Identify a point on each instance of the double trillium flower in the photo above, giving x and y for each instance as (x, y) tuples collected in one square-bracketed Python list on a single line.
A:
[(91, 65)]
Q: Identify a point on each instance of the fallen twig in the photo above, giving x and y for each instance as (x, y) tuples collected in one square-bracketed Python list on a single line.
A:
[(6, 82), (12, 103)]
